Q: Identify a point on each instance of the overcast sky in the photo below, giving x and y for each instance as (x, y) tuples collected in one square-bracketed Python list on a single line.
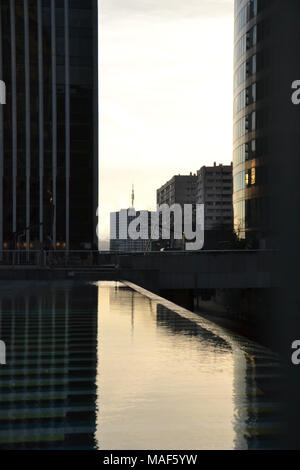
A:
[(165, 94)]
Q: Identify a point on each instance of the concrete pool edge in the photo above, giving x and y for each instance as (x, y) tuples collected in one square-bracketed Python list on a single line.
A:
[(204, 323)]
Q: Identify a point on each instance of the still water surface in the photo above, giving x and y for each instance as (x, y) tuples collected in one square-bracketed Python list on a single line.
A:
[(103, 366)]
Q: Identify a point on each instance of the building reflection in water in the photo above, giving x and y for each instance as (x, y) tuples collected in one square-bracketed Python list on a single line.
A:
[(47, 388), (257, 381), (98, 365), (170, 379)]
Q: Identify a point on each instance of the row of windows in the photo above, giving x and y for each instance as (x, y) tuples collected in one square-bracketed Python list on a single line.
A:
[(218, 188), (218, 203), (216, 211), (246, 14), (244, 152), (219, 196), (246, 70), (247, 41), (218, 174), (221, 181), (245, 98), (255, 148), (244, 125), (244, 179), (220, 178), (218, 218)]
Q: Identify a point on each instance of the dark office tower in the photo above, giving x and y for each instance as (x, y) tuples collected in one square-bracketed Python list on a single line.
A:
[(49, 150)]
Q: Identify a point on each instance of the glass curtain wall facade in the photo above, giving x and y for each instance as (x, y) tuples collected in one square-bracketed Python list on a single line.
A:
[(266, 121), (49, 150), (250, 198), (267, 165)]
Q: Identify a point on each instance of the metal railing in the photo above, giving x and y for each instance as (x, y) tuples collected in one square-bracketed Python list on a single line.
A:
[(21, 257), (50, 258), (81, 258)]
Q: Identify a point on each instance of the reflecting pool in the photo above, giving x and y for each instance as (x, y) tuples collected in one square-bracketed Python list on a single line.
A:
[(110, 366)]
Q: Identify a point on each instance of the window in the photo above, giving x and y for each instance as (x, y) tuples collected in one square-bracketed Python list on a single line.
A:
[(246, 70), (249, 11), (253, 121), (239, 181), (245, 98), (246, 42), (253, 92)]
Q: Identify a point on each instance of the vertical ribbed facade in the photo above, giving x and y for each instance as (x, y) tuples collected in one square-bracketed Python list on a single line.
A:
[(49, 145)]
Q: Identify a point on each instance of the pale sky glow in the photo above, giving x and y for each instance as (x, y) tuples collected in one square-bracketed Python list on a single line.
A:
[(165, 94)]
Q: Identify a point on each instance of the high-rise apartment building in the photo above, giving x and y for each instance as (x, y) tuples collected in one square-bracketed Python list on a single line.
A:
[(179, 190), (49, 125), (214, 190)]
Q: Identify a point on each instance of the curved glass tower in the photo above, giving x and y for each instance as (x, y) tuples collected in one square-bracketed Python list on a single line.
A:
[(266, 122), (248, 197), (251, 196), (267, 161)]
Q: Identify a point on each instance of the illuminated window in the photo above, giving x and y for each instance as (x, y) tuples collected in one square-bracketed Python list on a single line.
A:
[(253, 176)]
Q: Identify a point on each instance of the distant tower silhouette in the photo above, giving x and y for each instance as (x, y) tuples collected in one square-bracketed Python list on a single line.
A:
[(132, 196)]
